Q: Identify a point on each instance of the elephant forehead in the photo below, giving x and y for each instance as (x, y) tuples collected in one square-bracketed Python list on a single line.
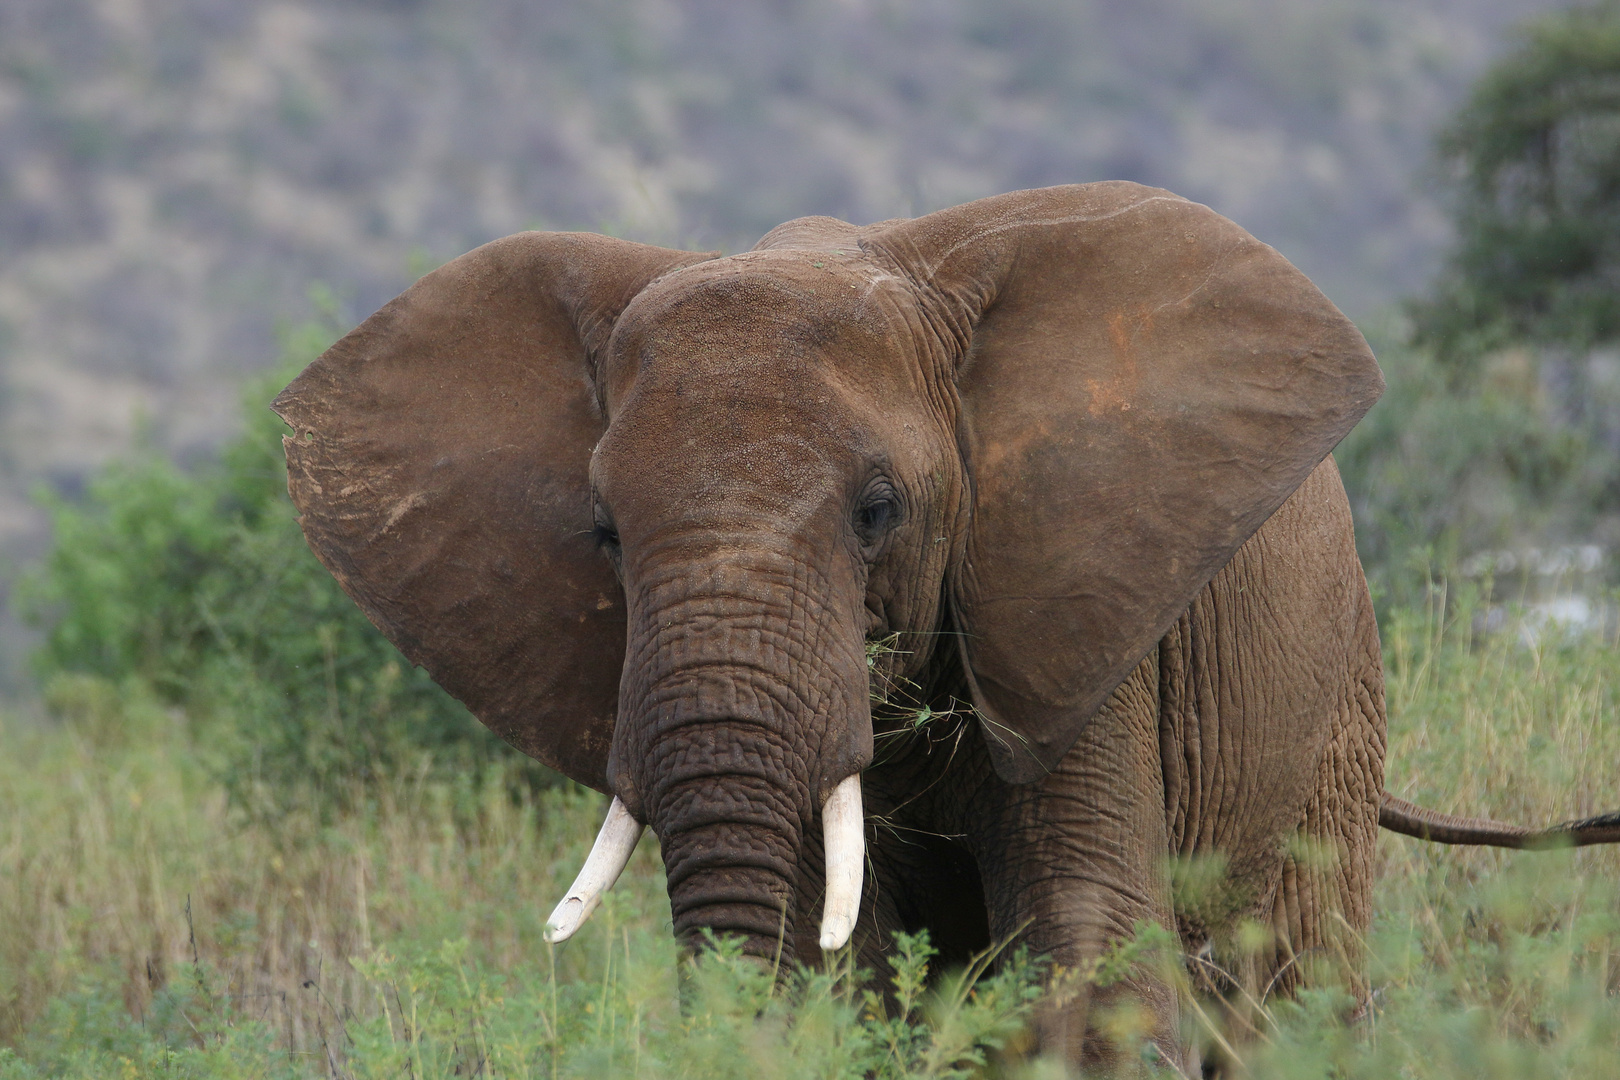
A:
[(765, 316), (775, 381), (721, 451)]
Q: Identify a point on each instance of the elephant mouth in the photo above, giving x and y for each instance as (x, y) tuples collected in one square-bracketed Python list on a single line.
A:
[(843, 826)]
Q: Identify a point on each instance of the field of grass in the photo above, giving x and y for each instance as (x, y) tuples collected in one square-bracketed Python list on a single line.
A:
[(150, 926)]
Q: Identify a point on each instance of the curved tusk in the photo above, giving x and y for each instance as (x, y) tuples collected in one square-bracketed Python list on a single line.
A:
[(843, 829), (602, 868)]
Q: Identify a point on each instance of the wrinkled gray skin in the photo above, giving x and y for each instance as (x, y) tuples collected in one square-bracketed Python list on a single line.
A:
[(913, 433)]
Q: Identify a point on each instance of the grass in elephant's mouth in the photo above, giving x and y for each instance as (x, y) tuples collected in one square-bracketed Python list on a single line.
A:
[(897, 714), (396, 931)]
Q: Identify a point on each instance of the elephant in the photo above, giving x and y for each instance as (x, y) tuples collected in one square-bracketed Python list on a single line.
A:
[(1051, 470)]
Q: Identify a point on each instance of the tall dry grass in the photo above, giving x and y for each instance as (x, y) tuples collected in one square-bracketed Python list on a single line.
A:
[(122, 865), (147, 924)]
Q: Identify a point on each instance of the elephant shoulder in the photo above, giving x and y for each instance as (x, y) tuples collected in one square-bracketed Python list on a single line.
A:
[(1303, 557), (1288, 620)]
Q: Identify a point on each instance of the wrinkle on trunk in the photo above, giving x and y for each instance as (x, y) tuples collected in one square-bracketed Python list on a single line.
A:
[(727, 875)]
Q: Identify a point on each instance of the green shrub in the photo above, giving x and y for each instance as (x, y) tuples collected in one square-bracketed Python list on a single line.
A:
[(1501, 424), (1534, 162), (197, 585), (1440, 471)]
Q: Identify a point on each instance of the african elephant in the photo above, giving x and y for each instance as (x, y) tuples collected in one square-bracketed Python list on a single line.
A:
[(1061, 454)]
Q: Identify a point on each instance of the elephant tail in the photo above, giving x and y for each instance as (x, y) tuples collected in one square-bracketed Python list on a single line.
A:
[(1398, 815)]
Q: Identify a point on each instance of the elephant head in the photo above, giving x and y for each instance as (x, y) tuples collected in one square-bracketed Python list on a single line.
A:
[(642, 509)]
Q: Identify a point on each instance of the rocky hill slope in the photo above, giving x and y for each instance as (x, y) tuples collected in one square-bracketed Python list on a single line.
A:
[(174, 174)]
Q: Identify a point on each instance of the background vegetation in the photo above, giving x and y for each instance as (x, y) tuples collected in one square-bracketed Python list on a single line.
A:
[(240, 836), (1500, 432)]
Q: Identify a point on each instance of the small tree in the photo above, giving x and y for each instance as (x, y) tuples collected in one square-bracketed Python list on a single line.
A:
[(1501, 424), (1535, 155)]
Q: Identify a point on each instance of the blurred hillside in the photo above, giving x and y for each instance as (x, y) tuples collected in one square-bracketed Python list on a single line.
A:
[(175, 173)]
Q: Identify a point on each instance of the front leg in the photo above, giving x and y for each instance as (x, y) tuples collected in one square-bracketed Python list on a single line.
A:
[(1071, 864)]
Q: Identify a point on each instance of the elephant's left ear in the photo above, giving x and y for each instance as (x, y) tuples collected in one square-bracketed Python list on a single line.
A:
[(439, 461), (1142, 384)]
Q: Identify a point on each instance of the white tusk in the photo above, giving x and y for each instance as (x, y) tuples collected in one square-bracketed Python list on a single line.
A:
[(602, 868), (843, 830)]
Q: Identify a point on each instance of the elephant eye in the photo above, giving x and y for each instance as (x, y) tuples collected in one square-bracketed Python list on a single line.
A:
[(878, 513), (603, 531)]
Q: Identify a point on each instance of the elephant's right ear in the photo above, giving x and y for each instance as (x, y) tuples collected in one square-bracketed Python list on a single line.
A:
[(439, 463)]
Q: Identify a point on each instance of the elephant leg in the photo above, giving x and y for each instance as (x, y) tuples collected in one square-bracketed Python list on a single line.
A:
[(1322, 905), (1072, 864), (931, 883)]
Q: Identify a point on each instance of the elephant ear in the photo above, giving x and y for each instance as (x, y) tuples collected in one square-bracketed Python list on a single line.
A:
[(438, 461), (1142, 384)]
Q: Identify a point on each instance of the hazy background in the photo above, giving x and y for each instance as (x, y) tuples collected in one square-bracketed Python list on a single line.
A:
[(175, 175)]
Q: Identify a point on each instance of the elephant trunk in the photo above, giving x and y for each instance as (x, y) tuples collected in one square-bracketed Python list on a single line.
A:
[(731, 852), (744, 708), (731, 877), (844, 832)]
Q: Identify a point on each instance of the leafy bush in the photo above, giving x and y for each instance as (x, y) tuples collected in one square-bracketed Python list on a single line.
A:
[(1501, 424), (198, 587), (1438, 472), (1536, 156)]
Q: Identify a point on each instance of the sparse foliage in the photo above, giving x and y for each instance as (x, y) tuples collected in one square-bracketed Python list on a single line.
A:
[(1536, 158)]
